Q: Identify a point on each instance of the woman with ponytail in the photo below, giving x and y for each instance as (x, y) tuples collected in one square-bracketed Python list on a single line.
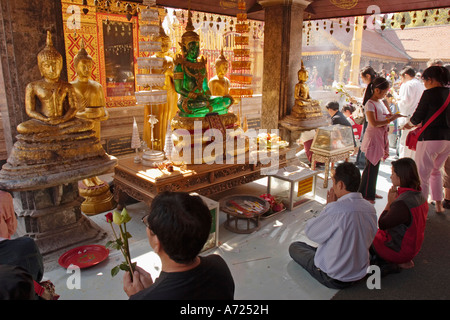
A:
[(375, 142), (368, 74)]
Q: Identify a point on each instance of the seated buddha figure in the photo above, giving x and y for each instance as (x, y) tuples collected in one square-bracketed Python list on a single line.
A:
[(304, 106), (219, 84), (53, 133), (306, 113), (191, 81), (51, 103), (89, 92), (301, 92), (98, 197)]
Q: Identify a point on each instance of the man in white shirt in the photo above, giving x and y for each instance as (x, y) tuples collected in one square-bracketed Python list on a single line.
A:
[(407, 100), (344, 231)]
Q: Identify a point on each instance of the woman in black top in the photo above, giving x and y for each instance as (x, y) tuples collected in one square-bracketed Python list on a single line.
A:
[(433, 146)]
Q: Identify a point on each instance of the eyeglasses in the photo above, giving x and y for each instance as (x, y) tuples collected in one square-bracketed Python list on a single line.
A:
[(145, 221)]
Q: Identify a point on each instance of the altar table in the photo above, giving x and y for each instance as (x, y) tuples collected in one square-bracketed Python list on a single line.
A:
[(144, 183)]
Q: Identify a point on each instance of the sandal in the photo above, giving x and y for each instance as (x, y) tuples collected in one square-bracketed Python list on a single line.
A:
[(378, 196)]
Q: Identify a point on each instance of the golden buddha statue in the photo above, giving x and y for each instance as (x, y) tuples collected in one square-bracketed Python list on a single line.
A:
[(164, 112), (89, 92), (219, 84), (51, 103), (53, 137), (306, 112), (301, 92), (96, 192)]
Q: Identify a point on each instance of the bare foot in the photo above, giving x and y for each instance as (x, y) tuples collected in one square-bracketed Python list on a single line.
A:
[(407, 265), (439, 207)]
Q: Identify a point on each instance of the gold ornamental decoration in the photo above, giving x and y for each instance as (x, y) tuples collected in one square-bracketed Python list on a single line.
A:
[(344, 4)]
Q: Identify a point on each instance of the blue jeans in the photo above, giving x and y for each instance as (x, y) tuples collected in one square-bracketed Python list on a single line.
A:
[(303, 254), (25, 253)]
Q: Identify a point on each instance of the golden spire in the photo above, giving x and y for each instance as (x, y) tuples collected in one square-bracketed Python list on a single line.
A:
[(162, 33), (82, 54), (221, 58), (49, 52), (190, 35)]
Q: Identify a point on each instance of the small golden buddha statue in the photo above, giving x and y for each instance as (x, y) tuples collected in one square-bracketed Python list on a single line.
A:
[(96, 192), (301, 92), (164, 112), (89, 92), (306, 112), (219, 84)]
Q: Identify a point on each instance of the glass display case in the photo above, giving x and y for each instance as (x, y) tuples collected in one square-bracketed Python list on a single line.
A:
[(333, 139)]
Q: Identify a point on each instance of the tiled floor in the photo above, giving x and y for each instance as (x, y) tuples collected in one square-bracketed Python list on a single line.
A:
[(259, 262)]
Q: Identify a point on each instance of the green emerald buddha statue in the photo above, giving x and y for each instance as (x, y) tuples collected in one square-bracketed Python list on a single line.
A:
[(197, 105), (191, 80)]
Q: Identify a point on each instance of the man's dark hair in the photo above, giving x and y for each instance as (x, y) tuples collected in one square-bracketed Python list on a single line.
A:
[(409, 71), (182, 223), (349, 174), (333, 105)]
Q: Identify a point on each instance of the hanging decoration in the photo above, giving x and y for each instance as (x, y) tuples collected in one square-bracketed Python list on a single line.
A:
[(401, 20), (241, 78), (149, 29)]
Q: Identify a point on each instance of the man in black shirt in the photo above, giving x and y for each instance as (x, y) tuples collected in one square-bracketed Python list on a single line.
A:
[(338, 117), (177, 228)]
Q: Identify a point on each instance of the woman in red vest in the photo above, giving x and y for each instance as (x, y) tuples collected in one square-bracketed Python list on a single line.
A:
[(402, 223)]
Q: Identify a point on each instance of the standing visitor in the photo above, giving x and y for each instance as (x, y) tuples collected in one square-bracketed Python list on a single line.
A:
[(368, 74), (433, 146), (375, 142), (409, 96)]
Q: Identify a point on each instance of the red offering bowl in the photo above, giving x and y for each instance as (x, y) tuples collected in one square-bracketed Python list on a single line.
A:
[(84, 256)]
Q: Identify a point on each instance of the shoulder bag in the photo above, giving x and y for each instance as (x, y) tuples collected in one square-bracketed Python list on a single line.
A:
[(413, 135)]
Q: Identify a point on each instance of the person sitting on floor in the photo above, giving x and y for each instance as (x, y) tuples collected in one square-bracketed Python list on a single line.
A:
[(402, 223), (20, 251), (177, 228), (344, 231), (16, 283)]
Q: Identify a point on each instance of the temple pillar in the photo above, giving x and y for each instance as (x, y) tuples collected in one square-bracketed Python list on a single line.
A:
[(282, 57), (23, 24), (356, 51)]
